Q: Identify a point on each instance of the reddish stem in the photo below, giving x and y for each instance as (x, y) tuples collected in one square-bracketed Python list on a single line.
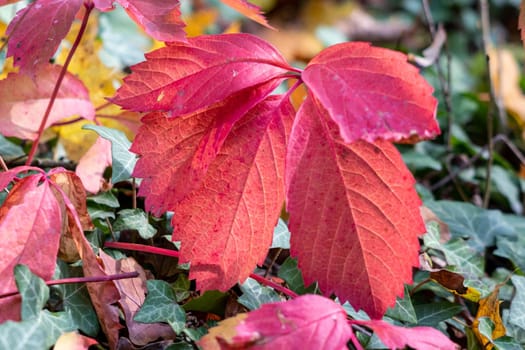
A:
[(142, 248), (90, 279), (175, 254), (274, 285), (89, 6)]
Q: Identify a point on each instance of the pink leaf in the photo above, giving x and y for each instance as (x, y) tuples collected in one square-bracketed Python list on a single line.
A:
[(24, 101), (185, 77), (249, 10), (379, 95), (354, 214), (30, 227), (188, 144), (307, 322), (103, 5), (417, 338), (91, 166), (226, 225), (159, 18), (37, 30)]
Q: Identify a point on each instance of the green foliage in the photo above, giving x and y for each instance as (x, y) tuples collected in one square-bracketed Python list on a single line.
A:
[(123, 161), (161, 306)]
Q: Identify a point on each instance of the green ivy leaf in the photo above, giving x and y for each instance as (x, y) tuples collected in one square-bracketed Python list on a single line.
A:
[(281, 236), (134, 219), (507, 343), (123, 161), (33, 290), (181, 286), (9, 149), (403, 309), (466, 220), (37, 332), (508, 186), (161, 306), (458, 253), (486, 327), (211, 301), (432, 314), (517, 307), (76, 301), (512, 249), (107, 199), (293, 277), (254, 295)]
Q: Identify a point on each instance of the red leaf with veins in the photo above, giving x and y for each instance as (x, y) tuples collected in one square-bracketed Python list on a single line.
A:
[(23, 101), (249, 10), (307, 322), (372, 93), (185, 77), (395, 337), (30, 227), (354, 214), (226, 225), (159, 18), (37, 30), (190, 142)]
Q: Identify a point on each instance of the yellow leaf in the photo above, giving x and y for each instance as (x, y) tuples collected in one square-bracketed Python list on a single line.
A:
[(489, 307), (99, 79), (199, 22), (222, 334), (86, 64), (8, 63), (505, 75)]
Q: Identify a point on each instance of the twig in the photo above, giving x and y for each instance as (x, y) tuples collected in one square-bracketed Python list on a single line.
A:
[(274, 259), (498, 138), (444, 83), (2, 163), (485, 27), (41, 163), (89, 279), (175, 254), (89, 7)]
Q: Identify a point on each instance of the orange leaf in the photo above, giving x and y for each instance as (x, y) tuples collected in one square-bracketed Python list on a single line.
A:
[(489, 307)]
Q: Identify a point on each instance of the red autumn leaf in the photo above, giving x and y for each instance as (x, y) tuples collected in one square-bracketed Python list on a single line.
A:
[(226, 225), (372, 93), (249, 10), (159, 18), (23, 101), (189, 144), (185, 77), (354, 214), (307, 322), (30, 227), (395, 337), (37, 30)]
